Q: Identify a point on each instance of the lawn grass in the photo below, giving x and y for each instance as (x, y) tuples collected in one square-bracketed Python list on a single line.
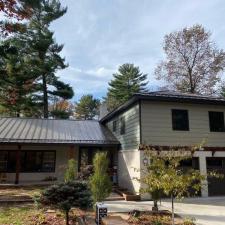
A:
[(17, 215), (11, 193)]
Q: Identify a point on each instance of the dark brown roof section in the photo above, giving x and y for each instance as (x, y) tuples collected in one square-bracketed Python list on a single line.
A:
[(47, 131), (166, 96)]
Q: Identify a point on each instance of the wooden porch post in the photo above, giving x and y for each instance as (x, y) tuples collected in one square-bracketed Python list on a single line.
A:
[(18, 153), (74, 154), (71, 154)]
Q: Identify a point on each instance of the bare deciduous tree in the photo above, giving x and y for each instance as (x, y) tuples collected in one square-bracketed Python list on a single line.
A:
[(193, 63)]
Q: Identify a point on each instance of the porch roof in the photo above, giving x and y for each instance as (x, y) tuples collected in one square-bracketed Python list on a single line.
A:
[(46, 131)]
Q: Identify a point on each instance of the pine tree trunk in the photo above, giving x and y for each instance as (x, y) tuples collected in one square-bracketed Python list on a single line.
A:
[(172, 199), (45, 97)]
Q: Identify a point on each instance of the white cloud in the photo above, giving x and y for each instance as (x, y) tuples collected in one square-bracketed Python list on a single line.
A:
[(101, 35)]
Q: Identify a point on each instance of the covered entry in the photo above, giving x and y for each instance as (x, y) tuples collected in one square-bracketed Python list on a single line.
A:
[(87, 153), (216, 186)]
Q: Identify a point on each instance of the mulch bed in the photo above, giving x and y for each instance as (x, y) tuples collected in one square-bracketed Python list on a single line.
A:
[(151, 218), (49, 219)]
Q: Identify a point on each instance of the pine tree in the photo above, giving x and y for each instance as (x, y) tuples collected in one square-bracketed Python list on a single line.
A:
[(127, 81), (87, 108), (46, 52), (16, 79)]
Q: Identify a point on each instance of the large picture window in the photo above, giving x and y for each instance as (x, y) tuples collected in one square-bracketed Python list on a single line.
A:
[(30, 161)]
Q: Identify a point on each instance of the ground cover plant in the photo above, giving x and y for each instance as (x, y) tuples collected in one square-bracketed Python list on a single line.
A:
[(158, 218), (29, 214)]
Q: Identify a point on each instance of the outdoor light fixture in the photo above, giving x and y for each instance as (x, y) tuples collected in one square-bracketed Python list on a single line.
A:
[(145, 161)]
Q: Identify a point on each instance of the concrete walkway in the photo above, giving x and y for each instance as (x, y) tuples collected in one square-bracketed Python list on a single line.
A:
[(206, 211)]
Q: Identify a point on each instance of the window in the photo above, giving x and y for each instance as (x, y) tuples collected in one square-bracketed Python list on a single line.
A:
[(216, 121), (31, 161), (48, 162), (114, 125), (122, 125), (180, 119), (3, 161)]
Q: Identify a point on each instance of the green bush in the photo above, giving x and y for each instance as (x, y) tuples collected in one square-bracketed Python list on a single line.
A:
[(64, 196), (100, 183), (71, 172)]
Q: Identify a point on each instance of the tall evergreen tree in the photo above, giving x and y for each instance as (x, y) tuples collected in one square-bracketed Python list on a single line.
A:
[(87, 108), (127, 81), (46, 51), (16, 79)]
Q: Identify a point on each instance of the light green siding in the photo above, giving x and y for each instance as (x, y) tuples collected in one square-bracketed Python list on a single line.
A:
[(157, 125), (131, 139)]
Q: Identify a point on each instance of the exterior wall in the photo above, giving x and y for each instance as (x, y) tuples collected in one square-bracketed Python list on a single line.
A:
[(131, 139), (128, 156), (129, 169), (156, 127), (63, 153)]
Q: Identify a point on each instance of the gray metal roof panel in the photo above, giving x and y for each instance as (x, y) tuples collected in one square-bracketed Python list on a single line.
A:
[(27, 130)]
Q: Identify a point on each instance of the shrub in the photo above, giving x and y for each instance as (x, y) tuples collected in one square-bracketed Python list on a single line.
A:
[(70, 173), (100, 183), (64, 196), (86, 172)]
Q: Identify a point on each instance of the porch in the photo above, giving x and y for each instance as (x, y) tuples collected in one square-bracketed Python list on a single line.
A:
[(28, 164), (37, 150)]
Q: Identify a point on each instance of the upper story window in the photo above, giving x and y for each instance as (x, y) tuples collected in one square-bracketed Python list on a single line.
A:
[(180, 119), (216, 121), (122, 125), (114, 125)]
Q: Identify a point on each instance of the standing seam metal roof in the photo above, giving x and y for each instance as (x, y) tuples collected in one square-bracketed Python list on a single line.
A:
[(29, 130)]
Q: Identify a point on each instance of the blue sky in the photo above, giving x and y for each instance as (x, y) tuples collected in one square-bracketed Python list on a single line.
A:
[(100, 35)]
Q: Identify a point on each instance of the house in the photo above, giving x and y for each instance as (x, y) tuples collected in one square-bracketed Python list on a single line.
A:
[(36, 149), (165, 119)]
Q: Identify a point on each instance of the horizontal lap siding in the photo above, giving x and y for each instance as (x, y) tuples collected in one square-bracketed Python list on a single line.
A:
[(157, 125), (131, 139)]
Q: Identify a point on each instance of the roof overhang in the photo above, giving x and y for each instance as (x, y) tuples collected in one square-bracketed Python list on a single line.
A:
[(154, 98)]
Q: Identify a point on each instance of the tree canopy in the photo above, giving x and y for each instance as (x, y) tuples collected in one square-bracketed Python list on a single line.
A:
[(87, 108), (16, 81), (14, 12), (127, 81), (193, 63), (34, 62)]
